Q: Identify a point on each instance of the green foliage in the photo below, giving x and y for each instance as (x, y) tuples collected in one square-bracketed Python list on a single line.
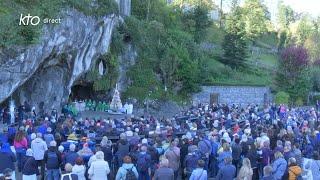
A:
[(235, 51), (312, 43), (234, 45), (13, 34), (293, 74), (255, 18), (282, 97), (197, 22), (315, 74), (94, 8), (282, 40), (285, 16), (304, 30), (145, 84), (109, 79), (299, 102), (110, 60)]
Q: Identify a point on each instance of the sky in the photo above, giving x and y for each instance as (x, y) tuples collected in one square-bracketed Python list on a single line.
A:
[(310, 6)]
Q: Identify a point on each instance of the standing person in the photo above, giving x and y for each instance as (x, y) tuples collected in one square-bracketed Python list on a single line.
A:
[(267, 173), (30, 167), (205, 149), (71, 156), (253, 156), (164, 172), (69, 175), (144, 163), (228, 171), (173, 155), (245, 171), (236, 153), (52, 160), (99, 168), (200, 173), (315, 165), (21, 145), (190, 161), (225, 153), (48, 137), (7, 159), (279, 166), (79, 169), (127, 171), (123, 148), (39, 147), (294, 169), (106, 148)]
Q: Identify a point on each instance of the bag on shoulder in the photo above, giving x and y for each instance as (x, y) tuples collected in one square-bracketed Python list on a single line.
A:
[(130, 175)]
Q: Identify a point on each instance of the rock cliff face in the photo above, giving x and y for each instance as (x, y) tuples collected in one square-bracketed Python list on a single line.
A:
[(43, 74), (124, 7)]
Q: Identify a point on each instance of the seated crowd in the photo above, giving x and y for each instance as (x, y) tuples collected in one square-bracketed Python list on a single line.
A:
[(224, 142)]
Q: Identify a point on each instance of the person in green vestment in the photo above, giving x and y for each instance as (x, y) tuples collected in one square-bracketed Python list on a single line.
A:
[(104, 106), (94, 105)]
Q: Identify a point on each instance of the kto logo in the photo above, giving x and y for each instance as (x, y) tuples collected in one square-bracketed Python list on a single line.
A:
[(26, 20)]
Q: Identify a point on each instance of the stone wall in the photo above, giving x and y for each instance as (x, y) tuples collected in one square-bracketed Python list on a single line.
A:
[(234, 94)]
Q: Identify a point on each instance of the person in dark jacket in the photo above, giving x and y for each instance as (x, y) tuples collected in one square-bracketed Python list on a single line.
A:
[(30, 166), (227, 172), (236, 153), (52, 159), (7, 159), (122, 149), (71, 156), (253, 156), (190, 161)]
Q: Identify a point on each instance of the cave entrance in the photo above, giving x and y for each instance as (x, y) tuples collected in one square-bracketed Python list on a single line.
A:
[(81, 92)]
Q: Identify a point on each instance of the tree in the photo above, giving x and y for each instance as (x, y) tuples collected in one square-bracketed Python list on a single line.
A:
[(285, 16), (303, 30), (202, 22), (234, 44), (293, 74), (255, 18), (312, 43)]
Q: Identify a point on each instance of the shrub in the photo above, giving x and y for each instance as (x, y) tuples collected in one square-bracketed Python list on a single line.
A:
[(299, 101), (282, 98)]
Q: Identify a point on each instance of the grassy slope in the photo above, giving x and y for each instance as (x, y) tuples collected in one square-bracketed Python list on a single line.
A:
[(261, 69)]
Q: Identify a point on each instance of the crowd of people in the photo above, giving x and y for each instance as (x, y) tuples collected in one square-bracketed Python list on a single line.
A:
[(225, 142)]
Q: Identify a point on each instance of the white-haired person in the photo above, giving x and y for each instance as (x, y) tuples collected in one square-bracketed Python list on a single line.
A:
[(72, 155), (68, 175), (294, 169), (99, 168), (164, 172), (30, 167), (39, 147), (245, 170), (48, 137)]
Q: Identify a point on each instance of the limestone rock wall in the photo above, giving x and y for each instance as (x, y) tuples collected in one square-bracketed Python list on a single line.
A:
[(64, 53)]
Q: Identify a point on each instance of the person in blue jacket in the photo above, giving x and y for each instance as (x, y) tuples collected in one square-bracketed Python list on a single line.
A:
[(279, 166)]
